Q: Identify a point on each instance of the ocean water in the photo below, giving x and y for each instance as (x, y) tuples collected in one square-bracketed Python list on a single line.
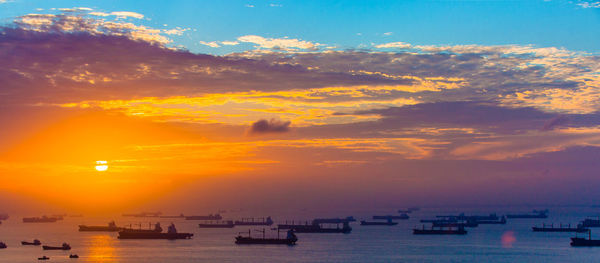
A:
[(513, 242)]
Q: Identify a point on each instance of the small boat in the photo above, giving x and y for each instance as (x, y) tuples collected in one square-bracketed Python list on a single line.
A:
[(34, 243), (43, 219), (112, 227), (154, 233), (386, 217), (535, 214), (455, 224), (254, 222), (378, 223), (2, 245), (217, 224), (73, 256), (290, 239), (567, 228), (64, 246), (334, 220), (43, 258), (440, 231), (207, 217), (502, 221)]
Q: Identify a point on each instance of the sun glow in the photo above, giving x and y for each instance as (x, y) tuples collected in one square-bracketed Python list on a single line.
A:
[(101, 166)]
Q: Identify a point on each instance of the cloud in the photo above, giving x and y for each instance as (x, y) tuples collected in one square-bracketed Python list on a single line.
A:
[(249, 6), (210, 44), (558, 121), (388, 33), (270, 126), (394, 45), (589, 4), (126, 14), (230, 43), (287, 44)]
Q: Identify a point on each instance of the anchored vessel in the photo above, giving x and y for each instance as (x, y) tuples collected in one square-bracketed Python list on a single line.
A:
[(582, 242), (208, 217), (254, 222), (386, 217), (155, 233), (535, 214), (378, 223), (460, 230), (2, 245), (217, 224), (111, 227), (145, 214), (43, 219), (561, 228), (289, 240), (64, 246), (34, 243), (590, 222), (316, 227)]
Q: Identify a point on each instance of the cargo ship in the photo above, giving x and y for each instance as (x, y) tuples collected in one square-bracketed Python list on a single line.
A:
[(64, 246), (535, 214), (217, 224), (317, 227), (155, 233), (34, 243), (440, 231), (208, 217), (144, 214), (173, 216), (391, 217), (590, 222), (2, 245), (43, 219), (290, 239), (254, 222), (560, 228), (389, 222), (582, 242), (111, 227)]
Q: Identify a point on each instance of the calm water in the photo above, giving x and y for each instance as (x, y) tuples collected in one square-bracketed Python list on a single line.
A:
[(364, 244)]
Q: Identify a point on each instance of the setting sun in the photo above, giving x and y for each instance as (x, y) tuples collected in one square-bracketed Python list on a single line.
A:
[(101, 166)]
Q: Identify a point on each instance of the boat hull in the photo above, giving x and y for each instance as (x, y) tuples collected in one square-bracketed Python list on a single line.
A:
[(55, 248), (25, 243), (438, 232), (556, 229), (582, 242), (153, 235), (216, 225), (264, 241), (365, 223), (83, 228)]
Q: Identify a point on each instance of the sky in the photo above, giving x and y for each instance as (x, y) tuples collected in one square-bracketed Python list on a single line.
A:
[(113, 105)]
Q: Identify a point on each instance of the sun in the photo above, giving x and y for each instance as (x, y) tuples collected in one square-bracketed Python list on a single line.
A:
[(101, 166)]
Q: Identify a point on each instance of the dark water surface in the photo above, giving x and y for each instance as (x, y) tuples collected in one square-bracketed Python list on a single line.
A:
[(365, 243)]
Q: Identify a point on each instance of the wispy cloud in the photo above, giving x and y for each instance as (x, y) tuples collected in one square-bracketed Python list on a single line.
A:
[(287, 44), (394, 45), (210, 44)]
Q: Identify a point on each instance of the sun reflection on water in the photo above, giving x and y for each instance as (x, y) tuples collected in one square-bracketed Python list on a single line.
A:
[(101, 249)]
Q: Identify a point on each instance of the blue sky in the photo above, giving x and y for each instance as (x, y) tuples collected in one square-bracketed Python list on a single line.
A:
[(573, 25)]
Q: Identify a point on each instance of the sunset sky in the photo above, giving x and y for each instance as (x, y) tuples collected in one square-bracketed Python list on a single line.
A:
[(230, 104)]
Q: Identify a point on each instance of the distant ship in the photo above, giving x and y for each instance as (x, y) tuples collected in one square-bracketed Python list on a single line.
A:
[(582, 242), (3, 217), (502, 221), (173, 216), (254, 222), (560, 228), (401, 217), (455, 224), (334, 220), (64, 246), (535, 214), (2, 245), (290, 239), (144, 214), (208, 217), (217, 224), (440, 231), (111, 227), (34, 243), (155, 233), (316, 227), (590, 222), (43, 219), (389, 222)]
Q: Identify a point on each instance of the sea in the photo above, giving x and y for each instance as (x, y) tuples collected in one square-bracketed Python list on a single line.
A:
[(512, 242)]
